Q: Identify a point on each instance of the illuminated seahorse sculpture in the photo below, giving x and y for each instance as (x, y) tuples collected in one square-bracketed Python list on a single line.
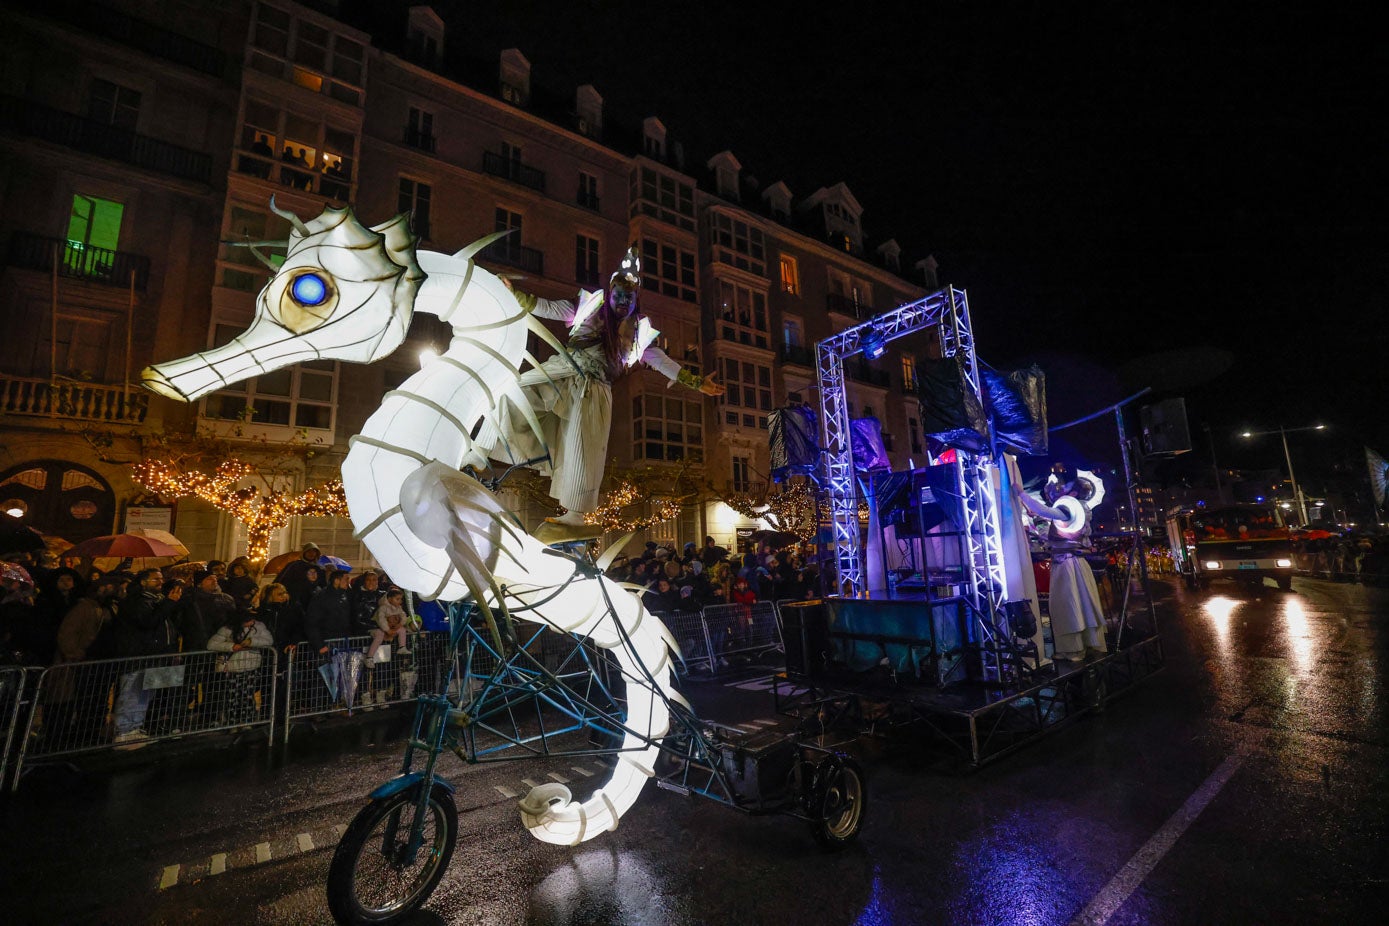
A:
[(347, 292)]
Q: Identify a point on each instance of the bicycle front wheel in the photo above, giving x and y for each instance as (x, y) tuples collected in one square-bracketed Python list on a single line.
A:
[(375, 878)]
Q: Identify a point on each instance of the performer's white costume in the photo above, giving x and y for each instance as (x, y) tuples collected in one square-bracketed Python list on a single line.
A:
[(1077, 619), (573, 396)]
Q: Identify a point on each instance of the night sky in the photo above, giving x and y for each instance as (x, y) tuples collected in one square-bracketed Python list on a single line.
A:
[(1108, 181)]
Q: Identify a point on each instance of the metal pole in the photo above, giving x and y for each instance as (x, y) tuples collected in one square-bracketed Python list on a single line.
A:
[(1292, 477), (53, 340), (129, 334), (1219, 489)]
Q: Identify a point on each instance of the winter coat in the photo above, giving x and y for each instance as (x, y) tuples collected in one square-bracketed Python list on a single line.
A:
[(365, 604), (241, 589), (144, 627), (296, 581), (329, 617), (284, 620), (243, 660), (80, 629), (384, 614), (200, 614)]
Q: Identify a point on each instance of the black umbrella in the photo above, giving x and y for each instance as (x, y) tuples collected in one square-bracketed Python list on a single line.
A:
[(774, 538), (18, 537)]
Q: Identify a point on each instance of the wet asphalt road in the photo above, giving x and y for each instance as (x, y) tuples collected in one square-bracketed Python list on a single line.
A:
[(1245, 783)]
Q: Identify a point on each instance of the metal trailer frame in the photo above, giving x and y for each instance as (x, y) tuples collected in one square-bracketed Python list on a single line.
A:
[(947, 308), (988, 726)]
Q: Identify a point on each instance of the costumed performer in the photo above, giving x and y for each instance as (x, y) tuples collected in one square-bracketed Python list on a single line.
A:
[(572, 396), (1077, 619)]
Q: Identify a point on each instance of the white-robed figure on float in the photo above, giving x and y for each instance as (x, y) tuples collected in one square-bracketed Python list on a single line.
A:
[(573, 395), (1077, 618)]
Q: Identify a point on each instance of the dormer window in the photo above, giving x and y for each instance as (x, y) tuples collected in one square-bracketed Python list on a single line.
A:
[(892, 255), (424, 37), (726, 169), (515, 77), (588, 110), (778, 200), (653, 138)]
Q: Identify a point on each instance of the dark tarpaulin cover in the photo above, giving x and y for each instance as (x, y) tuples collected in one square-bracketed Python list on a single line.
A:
[(950, 411), (1018, 403), (792, 431), (870, 454)]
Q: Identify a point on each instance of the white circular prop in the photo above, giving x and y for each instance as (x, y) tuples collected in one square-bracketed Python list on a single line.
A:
[(1074, 524)]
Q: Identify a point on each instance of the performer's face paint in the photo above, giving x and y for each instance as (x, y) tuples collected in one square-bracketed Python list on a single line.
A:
[(622, 299)]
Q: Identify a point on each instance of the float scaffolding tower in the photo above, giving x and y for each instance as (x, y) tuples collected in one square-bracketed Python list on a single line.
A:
[(949, 310)]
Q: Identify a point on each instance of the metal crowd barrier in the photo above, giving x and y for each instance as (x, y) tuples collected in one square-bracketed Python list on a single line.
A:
[(83, 707), (12, 703), (692, 634), (708, 637)]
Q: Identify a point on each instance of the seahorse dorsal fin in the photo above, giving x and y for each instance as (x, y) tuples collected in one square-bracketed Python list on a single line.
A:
[(468, 252)]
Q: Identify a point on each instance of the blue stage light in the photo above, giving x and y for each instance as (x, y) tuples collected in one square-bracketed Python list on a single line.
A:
[(873, 344)]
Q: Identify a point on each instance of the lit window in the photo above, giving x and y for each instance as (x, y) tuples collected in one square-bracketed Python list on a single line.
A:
[(908, 372), (790, 275)]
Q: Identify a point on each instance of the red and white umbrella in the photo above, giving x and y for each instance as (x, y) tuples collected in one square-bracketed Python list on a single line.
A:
[(144, 552)]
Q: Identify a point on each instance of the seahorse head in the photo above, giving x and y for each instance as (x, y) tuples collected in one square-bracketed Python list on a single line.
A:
[(344, 292)]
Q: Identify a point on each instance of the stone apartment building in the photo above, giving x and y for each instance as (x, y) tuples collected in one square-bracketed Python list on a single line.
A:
[(137, 138)]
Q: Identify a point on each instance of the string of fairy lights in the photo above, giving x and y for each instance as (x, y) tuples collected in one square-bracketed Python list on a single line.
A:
[(262, 513), (610, 512), (791, 510)]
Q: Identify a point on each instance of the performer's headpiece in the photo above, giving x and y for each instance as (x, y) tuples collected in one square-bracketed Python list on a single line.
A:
[(629, 273)]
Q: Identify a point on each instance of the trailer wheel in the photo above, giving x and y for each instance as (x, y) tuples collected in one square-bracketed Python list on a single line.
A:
[(838, 801), (1285, 583)]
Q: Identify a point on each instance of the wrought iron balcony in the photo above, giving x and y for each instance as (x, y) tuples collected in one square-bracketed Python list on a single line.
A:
[(35, 120), (846, 305), (96, 265), (511, 254), (30, 396), (804, 356), (863, 373), (136, 33), (515, 171)]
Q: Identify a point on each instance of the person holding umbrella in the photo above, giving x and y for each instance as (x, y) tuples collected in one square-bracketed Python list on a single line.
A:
[(304, 576)]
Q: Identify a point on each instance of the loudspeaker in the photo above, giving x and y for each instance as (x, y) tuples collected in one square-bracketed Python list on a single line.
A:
[(1164, 428), (806, 633)]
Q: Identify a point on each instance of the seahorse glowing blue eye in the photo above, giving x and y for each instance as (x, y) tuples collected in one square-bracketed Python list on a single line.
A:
[(309, 289)]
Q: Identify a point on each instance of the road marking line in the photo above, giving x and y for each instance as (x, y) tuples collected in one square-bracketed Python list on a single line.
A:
[(763, 723), (169, 878), (1112, 896), (305, 842), (557, 777), (748, 727), (219, 864), (582, 771), (506, 792), (340, 829), (530, 783), (755, 686), (262, 853), (736, 683)]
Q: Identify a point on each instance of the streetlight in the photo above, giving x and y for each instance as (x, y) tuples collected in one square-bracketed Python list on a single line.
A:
[(1292, 477)]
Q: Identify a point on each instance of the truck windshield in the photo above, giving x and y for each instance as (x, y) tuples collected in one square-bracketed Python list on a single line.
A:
[(1237, 524)]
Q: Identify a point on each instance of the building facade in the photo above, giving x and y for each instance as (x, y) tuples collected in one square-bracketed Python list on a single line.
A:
[(134, 180)]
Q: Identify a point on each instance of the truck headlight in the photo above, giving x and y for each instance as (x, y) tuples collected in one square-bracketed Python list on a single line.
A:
[(1213, 564), (1283, 563)]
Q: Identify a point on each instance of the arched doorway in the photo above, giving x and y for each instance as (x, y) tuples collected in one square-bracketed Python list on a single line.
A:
[(59, 498)]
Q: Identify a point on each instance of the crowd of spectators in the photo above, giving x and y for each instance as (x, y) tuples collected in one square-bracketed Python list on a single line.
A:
[(691, 578), (60, 614)]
